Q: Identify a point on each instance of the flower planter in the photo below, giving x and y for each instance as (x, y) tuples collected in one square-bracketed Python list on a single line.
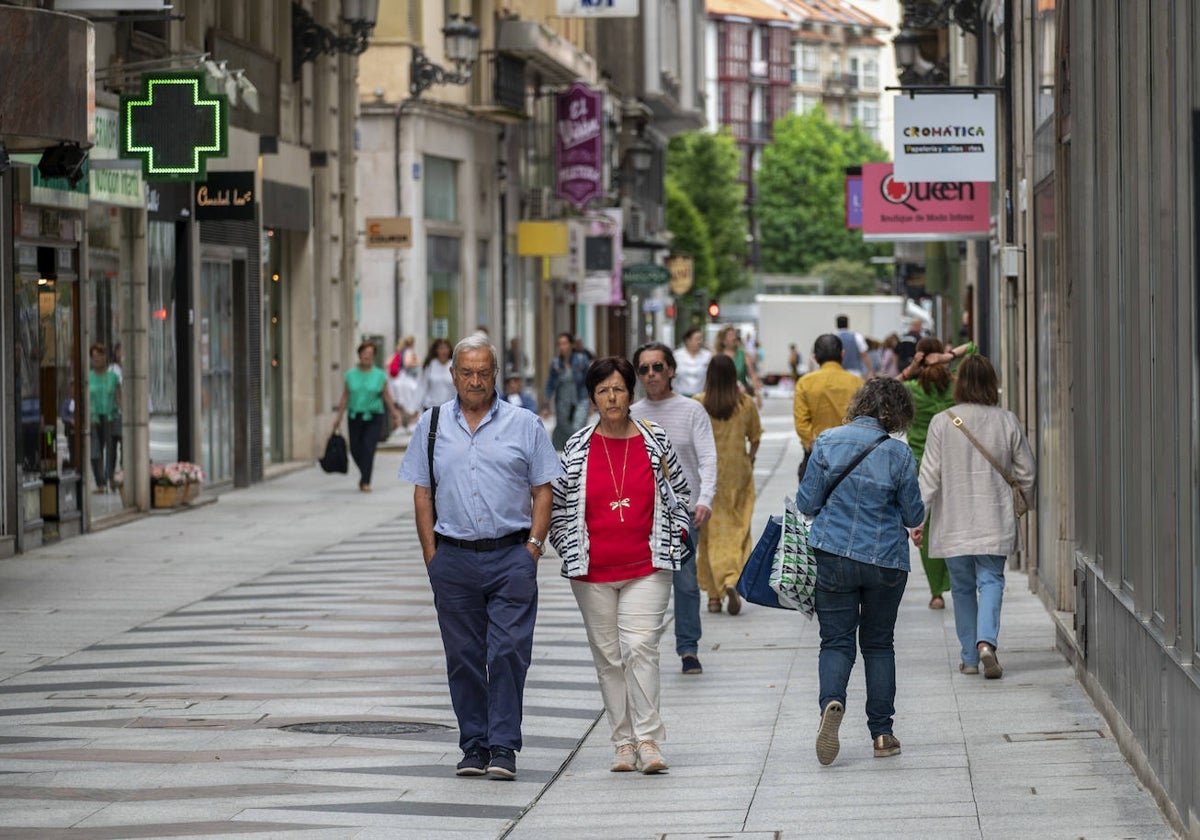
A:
[(191, 492), (167, 495)]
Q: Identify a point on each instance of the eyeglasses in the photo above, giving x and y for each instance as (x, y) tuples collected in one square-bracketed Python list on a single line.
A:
[(657, 367)]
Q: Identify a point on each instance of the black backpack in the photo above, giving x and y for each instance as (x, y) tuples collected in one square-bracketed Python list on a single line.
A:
[(335, 459)]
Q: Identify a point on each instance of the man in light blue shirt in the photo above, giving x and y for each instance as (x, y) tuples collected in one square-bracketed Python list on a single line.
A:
[(481, 536)]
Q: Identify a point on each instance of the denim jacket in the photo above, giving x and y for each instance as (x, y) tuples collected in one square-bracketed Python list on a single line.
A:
[(866, 517)]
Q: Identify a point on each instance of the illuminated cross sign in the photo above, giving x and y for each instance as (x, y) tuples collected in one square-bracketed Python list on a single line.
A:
[(174, 126)]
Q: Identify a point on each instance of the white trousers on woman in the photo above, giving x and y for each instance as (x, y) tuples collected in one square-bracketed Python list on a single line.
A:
[(624, 622)]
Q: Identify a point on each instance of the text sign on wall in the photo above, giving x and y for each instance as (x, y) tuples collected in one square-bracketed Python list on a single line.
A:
[(225, 196), (597, 8), (579, 146), (923, 211), (946, 137), (173, 125), (389, 232)]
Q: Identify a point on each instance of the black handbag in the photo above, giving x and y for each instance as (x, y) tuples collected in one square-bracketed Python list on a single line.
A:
[(335, 459)]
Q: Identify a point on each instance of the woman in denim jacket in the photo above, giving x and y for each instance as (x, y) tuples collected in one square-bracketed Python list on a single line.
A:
[(860, 541)]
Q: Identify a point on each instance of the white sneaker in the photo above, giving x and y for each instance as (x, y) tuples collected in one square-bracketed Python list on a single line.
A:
[(649, 758), (828, 743), (625, 760)]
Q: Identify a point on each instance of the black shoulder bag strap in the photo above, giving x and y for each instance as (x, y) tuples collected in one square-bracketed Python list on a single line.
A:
[(433, 422), (850, 468)]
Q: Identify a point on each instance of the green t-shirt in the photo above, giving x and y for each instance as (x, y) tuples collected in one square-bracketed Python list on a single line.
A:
[(366, 391), (924, 407), (102, 394)]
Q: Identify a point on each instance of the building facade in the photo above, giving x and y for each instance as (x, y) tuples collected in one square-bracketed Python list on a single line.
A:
[(226, 327)]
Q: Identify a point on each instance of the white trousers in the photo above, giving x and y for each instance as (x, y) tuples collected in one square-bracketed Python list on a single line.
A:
[(624, 622)]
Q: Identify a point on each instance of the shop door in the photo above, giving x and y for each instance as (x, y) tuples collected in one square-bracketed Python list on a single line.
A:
[(216, 369)]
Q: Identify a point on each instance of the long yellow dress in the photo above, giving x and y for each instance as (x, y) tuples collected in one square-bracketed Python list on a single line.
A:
[(724, 541)]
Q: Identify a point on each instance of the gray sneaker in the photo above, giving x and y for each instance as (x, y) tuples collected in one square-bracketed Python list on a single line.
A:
[(991, 665), (827, 733)]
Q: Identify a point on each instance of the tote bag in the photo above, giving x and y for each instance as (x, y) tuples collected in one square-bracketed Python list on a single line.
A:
[(794, 571), (755, 583)]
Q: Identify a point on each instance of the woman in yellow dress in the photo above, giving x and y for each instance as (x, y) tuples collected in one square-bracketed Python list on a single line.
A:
[(724, 542)]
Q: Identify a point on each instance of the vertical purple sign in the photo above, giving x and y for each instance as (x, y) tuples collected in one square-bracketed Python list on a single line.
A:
[(579, 146), (854, 201)]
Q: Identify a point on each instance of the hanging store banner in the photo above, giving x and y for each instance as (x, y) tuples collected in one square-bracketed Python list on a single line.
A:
[(597, 8), (946, 137), (602, 281), (923, 211), (579, 146), (854, 201)]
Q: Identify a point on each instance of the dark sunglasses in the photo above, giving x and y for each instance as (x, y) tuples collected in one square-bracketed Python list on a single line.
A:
[(657, 367)]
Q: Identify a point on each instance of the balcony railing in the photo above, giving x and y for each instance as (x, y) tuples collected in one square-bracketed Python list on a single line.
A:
[(760, 132), (843, 83), (498, 85)]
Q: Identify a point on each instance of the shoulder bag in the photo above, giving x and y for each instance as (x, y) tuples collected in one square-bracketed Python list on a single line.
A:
[(1020, 504)]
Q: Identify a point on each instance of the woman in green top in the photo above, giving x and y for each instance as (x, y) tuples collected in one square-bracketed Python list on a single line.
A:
[(365, 395), (104, 398), (931, 384)]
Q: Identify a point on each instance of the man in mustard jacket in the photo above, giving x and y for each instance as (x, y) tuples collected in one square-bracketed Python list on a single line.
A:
[(823, 395)]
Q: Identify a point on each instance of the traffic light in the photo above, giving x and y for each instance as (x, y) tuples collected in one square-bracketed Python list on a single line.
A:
[(714, 309)]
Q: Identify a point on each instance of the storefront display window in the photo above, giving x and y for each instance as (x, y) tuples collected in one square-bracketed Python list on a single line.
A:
[(444, 270), (163, 374)]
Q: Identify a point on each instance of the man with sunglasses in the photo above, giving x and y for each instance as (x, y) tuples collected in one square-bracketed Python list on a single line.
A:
[(691, 435)]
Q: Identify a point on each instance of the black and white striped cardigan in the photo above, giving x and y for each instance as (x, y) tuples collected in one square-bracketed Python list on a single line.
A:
[(568, 528)]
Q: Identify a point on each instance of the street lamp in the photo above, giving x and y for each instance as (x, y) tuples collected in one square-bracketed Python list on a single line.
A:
[(641, 156), (310, 39), (461, 47)]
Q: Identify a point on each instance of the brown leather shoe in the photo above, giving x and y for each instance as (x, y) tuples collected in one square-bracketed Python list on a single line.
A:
[(991, 665), (886, 745)]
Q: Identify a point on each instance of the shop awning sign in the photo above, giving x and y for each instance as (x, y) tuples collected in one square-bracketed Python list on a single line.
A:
[(925, 211), (174, 125)]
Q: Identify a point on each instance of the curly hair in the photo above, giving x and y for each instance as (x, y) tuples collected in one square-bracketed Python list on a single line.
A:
[(887, 400)]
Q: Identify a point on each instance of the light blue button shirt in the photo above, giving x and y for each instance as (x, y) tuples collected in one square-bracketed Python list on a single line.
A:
[(483, 479)]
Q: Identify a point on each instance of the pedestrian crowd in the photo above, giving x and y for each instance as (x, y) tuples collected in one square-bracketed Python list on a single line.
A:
[(647, 501)]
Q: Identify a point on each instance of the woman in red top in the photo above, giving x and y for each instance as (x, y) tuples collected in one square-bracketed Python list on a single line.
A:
[(622, 593)]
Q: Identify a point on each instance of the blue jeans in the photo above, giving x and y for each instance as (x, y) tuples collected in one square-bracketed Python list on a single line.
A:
[(854, 596), (687, 600), (486, 606), (976, 618)]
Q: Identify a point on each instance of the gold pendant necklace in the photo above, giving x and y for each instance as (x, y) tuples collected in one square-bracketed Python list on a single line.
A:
[(618, 503)]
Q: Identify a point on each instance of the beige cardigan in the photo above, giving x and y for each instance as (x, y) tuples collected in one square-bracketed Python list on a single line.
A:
[(969, 502)]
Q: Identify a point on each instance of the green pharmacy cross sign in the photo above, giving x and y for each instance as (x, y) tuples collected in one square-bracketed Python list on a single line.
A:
[(174, 126)]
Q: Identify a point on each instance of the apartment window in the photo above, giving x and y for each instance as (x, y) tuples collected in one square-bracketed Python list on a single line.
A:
[(869, 80), (808, 58), (441, 189)]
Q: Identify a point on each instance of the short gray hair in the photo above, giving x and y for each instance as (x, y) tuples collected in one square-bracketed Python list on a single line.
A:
[(475, 341)]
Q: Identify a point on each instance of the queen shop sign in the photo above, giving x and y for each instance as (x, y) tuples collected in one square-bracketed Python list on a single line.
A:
[(579, 146)]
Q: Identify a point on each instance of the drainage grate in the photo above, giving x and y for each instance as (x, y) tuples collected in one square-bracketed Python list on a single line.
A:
[(376, 728)]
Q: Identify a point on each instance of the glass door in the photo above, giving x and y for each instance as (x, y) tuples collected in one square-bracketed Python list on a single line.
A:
[(216, 369)]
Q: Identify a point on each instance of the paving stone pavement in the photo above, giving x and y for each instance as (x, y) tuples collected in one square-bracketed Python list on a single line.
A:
[(147, 673)]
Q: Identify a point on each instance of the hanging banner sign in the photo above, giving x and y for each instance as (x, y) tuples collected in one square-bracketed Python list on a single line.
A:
[(854, 201), (946, 137), (923, 211), (579, 146), (597, 8)]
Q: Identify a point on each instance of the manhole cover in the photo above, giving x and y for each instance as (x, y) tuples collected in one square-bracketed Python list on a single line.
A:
[(365, 727)]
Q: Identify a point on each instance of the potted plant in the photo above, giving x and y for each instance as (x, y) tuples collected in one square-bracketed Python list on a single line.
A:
[(195, 477), (169, 484)]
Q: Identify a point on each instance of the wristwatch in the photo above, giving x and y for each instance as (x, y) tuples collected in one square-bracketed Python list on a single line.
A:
[(539, 544)]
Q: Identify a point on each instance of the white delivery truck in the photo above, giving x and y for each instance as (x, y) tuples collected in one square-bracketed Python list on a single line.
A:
[(799, 319)]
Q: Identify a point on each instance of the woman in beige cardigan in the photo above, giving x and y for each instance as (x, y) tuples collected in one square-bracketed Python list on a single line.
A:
[(973, 521)]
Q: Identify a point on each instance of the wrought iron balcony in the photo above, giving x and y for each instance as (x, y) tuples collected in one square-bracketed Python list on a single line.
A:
[(498, 86)]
